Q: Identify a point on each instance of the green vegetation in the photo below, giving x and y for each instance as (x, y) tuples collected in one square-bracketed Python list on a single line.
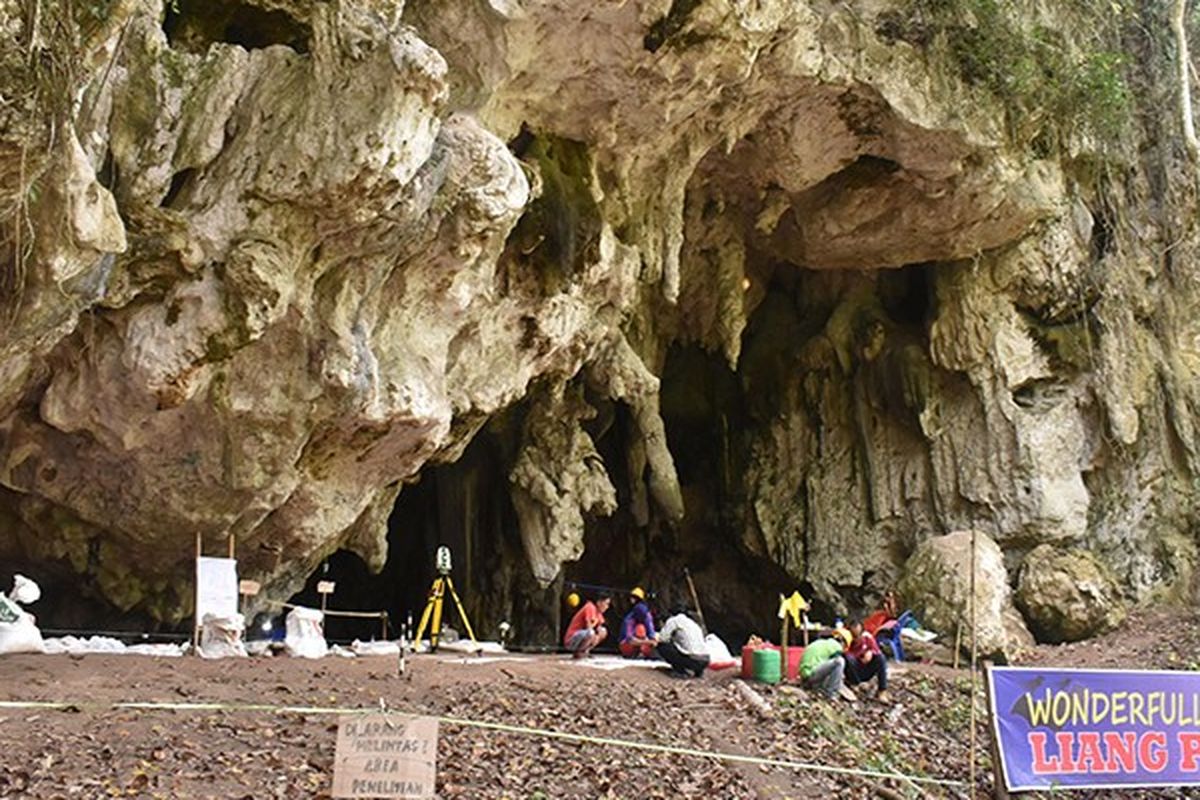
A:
[(1053, 81)]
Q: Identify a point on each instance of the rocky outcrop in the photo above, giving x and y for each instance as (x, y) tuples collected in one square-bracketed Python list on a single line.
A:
[(1068, 595), (936, 585), (778, 282)]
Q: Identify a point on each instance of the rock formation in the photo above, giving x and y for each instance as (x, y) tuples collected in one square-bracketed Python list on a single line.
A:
[(938, 577), (794, 285), (1068, 595)]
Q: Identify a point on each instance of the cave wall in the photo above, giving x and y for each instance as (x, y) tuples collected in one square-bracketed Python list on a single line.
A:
[(267, 262)]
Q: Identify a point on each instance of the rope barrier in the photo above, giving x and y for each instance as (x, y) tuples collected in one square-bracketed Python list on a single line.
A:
[(329, 612), (494, 726)]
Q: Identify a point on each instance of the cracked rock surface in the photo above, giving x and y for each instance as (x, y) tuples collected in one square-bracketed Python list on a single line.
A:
[(747, 278)]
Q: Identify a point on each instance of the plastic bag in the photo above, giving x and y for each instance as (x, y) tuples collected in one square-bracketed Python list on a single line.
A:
[(719, 656), (25, 590), (306, 633)]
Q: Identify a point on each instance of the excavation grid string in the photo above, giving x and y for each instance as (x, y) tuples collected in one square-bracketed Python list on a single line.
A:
[(493, 726)]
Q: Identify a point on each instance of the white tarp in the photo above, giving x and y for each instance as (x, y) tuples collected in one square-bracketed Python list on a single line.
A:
[(375, 648), (104, 644), (608, 663), (216, 587)]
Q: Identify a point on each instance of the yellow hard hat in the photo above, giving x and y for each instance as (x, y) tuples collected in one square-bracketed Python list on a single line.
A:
[(573, 600), (844, 635), (638, 592)]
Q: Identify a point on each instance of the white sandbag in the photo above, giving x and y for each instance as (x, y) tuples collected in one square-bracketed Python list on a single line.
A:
[(719, 656), (306, 633), (18, 631), (25, 590), (374, 648), (221, 637)]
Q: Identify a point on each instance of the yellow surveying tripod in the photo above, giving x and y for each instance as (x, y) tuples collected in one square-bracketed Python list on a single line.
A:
[(433, 606)]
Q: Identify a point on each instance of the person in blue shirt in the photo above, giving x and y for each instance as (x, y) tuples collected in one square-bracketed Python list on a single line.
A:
[(637, 629)]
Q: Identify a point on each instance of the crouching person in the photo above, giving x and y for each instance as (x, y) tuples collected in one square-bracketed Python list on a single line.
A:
[(822, 666), (864, 660), (681, 644), (586, 629), (637, 628)]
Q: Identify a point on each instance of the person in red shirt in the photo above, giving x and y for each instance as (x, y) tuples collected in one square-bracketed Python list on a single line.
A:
[(864, 660), (587, 627)]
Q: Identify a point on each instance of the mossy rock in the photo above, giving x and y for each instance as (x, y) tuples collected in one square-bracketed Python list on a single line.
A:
[(1068, 595), (936, 586)]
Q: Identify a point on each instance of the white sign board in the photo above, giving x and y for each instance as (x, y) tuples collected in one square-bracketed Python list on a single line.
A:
[(385, 755), (216, 587)]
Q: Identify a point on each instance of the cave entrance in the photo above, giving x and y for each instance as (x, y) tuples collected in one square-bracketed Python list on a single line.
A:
[(705, 412), (466, 506), (193, 25)]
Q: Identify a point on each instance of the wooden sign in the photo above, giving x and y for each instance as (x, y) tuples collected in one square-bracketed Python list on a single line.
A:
[(249, 588), (385, 755), (325, 587)]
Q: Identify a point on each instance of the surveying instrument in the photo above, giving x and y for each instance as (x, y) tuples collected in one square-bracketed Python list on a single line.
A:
[(433, 606)]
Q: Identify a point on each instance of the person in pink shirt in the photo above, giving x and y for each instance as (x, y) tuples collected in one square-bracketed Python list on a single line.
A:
[(864, 660), (586, 629)]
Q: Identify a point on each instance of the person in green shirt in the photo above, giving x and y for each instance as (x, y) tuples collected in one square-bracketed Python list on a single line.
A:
[(822, 666)]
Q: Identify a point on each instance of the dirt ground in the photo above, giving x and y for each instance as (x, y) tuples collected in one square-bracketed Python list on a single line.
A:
[(90, 750)]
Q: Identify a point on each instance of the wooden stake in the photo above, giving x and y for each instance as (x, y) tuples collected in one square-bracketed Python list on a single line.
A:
[(783, 648), (196, 596), (695, 600), (974, 658), (806, 629), (231, 546), (999, 790)]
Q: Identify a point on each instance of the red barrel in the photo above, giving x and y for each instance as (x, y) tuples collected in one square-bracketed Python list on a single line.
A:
[(795, 653), (748, 661)]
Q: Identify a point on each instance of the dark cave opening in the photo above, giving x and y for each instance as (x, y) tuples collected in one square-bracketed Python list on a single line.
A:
[(193, 25), (706, 414), (463, 505)]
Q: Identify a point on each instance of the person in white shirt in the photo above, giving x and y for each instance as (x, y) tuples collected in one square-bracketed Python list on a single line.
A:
[(681, 644)]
